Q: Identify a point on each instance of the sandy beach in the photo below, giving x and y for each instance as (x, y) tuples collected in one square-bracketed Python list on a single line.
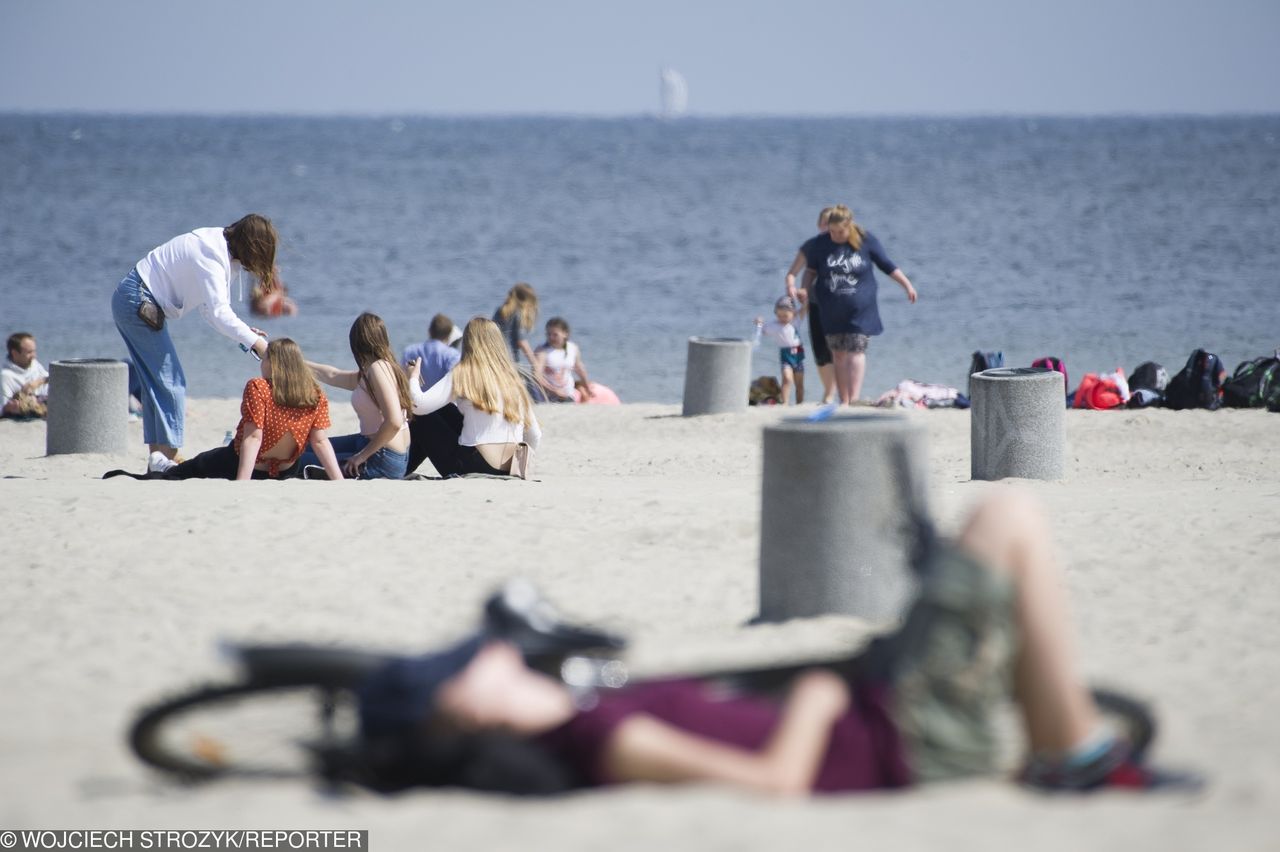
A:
[(116, 592)]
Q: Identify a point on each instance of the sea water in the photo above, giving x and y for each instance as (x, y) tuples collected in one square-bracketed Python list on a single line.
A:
[(1103, 241)]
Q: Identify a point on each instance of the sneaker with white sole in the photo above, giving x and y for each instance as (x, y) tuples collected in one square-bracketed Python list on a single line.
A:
[(158, 462)]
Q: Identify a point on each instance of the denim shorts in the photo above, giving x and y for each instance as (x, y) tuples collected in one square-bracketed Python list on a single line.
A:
[(384, 464)]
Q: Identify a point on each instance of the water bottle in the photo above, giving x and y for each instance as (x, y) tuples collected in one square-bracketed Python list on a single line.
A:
[(228, 438)]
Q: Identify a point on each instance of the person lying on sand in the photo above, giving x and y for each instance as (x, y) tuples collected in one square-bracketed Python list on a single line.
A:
[(990, 621)]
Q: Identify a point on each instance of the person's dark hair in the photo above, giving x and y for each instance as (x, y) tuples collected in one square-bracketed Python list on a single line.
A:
[(370, 344), (560, 323), (252, 240), (15, 340), (441, 328)]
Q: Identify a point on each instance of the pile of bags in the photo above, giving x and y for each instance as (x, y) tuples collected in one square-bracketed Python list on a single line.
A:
[(1202, 383)]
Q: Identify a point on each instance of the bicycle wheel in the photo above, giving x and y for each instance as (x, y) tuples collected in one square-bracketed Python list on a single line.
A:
[(1132, 718), (246, 730)]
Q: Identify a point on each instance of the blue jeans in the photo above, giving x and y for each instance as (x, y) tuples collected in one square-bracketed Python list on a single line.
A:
[(384, 464), (164, 385)]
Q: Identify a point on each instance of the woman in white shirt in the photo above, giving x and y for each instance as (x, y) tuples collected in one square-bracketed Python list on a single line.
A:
[(380, 396), (190, 272), (491, 411)]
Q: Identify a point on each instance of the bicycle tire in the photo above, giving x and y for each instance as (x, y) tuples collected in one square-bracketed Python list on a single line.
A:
[(247, 748)]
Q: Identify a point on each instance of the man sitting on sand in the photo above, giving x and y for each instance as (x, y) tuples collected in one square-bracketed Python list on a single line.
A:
[(438, 357), (23, 380)]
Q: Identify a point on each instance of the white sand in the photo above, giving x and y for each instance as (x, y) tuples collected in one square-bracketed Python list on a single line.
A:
[(115, 592)]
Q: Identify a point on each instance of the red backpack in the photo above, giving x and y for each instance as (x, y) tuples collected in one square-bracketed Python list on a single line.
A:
[(1099, 392)]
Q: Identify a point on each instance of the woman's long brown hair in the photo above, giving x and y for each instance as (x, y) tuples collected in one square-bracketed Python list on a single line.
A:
[(369, 345), (293, 385), (252, 240)]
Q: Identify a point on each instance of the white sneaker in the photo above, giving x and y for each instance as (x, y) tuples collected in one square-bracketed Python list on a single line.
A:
[(159, 463)]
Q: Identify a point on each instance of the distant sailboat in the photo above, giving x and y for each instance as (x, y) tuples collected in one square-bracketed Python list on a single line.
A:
[(675, 93)]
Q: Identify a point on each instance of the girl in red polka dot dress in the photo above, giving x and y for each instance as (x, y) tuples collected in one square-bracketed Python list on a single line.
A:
[(280, 414)]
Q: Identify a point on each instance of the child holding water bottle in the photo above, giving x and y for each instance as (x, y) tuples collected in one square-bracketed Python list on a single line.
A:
[(784, 332)]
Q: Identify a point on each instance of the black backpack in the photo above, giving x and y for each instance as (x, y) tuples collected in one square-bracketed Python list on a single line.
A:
[(1149, 376), (1253, 383), (1197, 385), (983, 361)]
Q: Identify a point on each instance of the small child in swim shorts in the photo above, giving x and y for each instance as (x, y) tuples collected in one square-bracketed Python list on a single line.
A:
[(784, 330)]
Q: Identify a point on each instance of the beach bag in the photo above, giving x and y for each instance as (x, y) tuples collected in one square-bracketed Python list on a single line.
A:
[(1144, 398), (1102, 392), (1147, 385), (1056, 364), (765, 390), (983, 361), (522, 461), (1253, 383), (1149, 376), (1198, 384)]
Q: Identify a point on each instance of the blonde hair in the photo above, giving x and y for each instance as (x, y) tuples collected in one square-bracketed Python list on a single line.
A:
[(487, 377), (840, 215), (523, 298), (824, 216), (293, 385), (369, 345)]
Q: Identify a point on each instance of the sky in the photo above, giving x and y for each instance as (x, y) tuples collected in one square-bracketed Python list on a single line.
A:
[(602, 58)]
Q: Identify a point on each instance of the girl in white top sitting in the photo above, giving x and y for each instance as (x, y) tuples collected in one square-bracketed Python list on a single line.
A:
[(557, 361), (380, 396), (191, 272), (472, 419)]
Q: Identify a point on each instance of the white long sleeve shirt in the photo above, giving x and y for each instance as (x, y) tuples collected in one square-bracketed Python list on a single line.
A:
[(193, 272), (478, 427)]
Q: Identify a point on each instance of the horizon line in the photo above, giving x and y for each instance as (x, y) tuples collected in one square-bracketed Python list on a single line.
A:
[(630, 116)]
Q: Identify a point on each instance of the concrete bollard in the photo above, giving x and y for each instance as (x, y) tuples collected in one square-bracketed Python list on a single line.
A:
[(717, 375), (834, 518), (88, 407), (1018, 424)]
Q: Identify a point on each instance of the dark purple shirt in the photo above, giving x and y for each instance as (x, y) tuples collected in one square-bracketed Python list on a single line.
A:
[(865, 751)]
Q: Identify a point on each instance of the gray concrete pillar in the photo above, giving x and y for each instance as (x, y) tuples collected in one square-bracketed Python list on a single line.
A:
[(834, 523), (717, 375), (1018, 424), (88, 407)]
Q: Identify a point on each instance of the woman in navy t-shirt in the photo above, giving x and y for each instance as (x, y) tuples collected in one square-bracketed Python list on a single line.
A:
[(845, 291)]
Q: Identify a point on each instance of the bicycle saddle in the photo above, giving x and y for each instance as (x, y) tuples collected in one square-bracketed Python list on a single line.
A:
[(519, 614)]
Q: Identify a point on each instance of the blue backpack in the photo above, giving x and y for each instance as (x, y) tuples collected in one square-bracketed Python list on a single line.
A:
[(983, 361)]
